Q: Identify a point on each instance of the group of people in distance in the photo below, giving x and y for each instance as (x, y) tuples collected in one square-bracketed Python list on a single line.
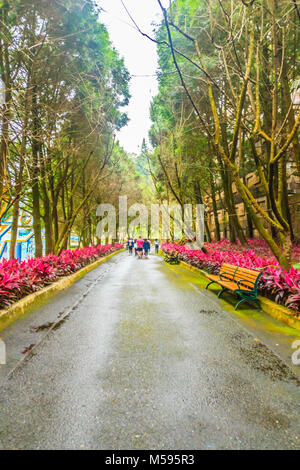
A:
[(141, 247)]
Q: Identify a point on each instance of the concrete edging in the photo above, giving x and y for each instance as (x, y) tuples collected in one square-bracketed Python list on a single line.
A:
[(279, 312), (23, 306)]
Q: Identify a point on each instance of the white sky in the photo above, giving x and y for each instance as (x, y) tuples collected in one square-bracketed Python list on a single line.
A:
[(140, 59)]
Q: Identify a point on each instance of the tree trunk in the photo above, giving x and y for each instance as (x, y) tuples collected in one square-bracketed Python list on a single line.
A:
[(37, 226), (215, 210), (48, 223), (6, 73), (47, 211), (14, 229)]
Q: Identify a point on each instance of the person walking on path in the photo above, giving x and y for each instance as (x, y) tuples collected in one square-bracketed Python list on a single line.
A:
[(156, 243), (139, 249), (130, 246), (146, 247)]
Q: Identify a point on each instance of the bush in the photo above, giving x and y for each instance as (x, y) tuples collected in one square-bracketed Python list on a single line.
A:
[(18, 279)]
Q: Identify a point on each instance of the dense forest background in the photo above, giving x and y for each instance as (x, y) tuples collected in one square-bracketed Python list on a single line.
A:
[(228, 105), (228, 77), (65, 88)]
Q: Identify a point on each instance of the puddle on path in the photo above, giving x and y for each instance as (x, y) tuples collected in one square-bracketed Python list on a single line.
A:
[(46, 326), (209, 312)]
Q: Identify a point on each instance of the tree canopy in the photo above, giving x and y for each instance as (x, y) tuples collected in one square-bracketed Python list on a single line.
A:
[(66, 88), (227, 73)]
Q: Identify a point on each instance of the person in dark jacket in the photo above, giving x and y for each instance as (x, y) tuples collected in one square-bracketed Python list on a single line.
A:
[(131, 246), (146, 247)]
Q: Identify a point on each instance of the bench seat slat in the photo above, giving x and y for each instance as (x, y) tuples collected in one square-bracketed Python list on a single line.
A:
[(213, 277), (232, 285)]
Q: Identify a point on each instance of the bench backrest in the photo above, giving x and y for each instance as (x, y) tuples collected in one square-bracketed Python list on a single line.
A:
[(228, 271), (172, 254), (248, 277)]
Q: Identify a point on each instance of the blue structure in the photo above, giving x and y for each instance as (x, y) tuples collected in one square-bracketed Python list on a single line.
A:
[(25, 245)]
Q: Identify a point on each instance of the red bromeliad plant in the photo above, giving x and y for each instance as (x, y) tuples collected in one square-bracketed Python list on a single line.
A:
[(18, 279), (277, 284)]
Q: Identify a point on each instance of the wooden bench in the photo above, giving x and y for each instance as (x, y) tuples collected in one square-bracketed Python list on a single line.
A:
[(242, 281), (172, 258)]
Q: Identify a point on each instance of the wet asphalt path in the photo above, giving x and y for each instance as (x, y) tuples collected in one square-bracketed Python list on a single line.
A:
[(145, 361)]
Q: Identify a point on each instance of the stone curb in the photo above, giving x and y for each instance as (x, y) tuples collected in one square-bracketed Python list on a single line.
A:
[(279, 312), (23, 306)]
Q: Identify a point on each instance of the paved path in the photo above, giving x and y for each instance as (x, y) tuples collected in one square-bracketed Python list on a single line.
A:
[(146, 360)]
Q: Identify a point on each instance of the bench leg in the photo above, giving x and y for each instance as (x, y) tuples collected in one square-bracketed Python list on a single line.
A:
[(221, 292), (239, 303), (211, 282), (248, 300)]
